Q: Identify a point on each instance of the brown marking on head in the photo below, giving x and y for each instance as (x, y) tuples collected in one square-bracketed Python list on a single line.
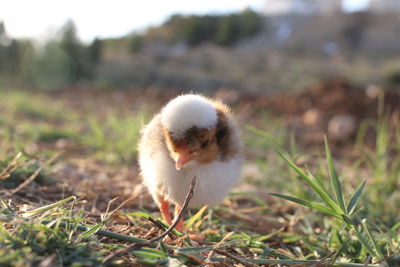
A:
[(205, 145), (226, 133), (199, 142)]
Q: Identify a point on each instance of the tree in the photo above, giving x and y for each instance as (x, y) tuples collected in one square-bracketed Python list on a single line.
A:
[(235, 27), (354, 29), (136, 43), (9, 52), (251, 22), (76, 52), (49, 68), (223, 29), (228, 30), (94, 51), (3, 48), (198, 29)]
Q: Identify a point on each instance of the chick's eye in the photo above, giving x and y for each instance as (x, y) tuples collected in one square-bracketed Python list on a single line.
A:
[(205, 144)]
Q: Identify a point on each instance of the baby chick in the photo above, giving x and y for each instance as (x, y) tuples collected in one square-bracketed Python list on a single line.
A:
[(192, 136)]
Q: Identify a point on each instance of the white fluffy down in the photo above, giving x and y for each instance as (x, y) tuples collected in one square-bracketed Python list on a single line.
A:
[(187, 111), (213, 180)]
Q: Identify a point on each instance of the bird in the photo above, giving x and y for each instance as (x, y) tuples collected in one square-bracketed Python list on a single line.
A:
[(192, 136)]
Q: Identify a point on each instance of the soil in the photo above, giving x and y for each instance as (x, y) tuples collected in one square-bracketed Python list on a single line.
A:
[(308, 113)]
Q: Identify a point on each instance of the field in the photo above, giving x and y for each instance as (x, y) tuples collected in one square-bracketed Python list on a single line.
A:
[(71, 192)]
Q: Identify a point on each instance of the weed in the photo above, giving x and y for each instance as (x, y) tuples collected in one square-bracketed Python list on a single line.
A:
[(30, 242), (383, 164), (264, 231), (113, 139), (344, 213), (24, 168)]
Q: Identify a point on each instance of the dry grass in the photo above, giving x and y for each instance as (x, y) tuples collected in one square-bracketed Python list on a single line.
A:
[(84, 231)]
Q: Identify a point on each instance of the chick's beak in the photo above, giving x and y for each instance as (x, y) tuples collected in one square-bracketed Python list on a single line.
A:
[(182, 158)]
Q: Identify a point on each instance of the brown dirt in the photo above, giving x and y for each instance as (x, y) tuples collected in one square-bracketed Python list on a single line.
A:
[(331, 98), (96, 184), (324, 101)]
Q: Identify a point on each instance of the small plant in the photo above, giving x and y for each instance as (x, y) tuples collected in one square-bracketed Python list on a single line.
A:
[(27, 240), (113, 139), (382, 160), (14, 171), (344, 212)]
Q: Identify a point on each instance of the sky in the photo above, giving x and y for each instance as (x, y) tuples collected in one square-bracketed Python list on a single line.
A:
[(40, 19)]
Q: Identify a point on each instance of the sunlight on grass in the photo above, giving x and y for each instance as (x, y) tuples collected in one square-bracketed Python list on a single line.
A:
[(114, 138), (111, 137), (383, 163), (343, 212), (357, 219), (30, 242)]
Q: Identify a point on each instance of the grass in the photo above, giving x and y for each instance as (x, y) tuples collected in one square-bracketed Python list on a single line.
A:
[(345, 220), (383, 163), (112, 139), (29, 242), (55, 230), (340, 210), (31, 122)]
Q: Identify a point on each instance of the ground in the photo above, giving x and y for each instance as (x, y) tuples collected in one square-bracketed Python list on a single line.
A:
[(82, 142)]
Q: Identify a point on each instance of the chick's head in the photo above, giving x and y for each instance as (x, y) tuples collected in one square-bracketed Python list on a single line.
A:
[(190, 124), (198, 145)]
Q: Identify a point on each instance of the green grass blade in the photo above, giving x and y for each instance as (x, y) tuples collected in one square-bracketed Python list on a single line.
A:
[(48, 207), (6, 209), (315, 178), (355, 198), (97, 131), (266, 237), (193, 249), (149, 256), (320, 191), (271, 140), (395, 227), (365, 243), (149, 253), (378, 251), (99, 232), (348, 221), (196, 217), (337, 187), (267, 251), (342, 248), (93, 230), (310, 204)]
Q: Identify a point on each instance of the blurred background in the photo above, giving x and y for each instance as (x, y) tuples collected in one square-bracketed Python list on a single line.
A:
[(83, 77), (250, 45), (319, 66)]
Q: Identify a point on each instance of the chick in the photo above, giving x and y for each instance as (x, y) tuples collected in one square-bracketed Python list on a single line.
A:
[(192, 136)]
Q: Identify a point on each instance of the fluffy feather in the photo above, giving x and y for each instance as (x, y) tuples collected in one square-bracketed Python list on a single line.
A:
[(185, 111), (215, 178)]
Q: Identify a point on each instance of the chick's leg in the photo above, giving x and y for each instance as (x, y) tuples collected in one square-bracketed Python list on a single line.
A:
[(180, 226), (163, 205)]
